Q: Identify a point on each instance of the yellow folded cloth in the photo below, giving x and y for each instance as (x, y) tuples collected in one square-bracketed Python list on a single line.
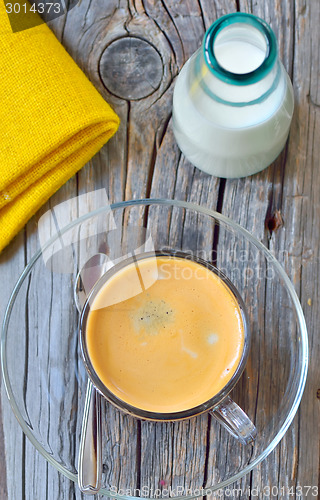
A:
[(52, 121)]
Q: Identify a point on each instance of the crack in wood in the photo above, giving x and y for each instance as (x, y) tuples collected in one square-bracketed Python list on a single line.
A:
[(202, 15), (219, 206), (175, 27)]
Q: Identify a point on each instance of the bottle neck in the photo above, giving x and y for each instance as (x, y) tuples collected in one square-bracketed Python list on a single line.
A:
[(238, 64), (228, 94)]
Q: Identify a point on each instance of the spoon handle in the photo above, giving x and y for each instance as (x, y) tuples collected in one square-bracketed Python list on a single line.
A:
[(90, 455)]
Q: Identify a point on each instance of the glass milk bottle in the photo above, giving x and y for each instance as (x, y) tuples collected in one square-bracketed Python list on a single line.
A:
[(233, 100)]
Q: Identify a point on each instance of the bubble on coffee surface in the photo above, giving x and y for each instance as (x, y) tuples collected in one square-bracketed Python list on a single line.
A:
[(152, 317), (212, 338)]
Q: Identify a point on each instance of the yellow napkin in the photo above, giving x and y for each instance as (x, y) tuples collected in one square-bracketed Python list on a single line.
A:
[(52, 121)]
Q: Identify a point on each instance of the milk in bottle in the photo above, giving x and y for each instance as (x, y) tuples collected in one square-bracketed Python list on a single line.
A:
[(233, 100)]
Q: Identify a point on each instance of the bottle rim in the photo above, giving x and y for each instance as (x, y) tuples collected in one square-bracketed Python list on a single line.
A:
[(240, 78)]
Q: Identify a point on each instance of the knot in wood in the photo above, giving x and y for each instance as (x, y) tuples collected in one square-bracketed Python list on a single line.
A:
[(131, 68), (274, 222)]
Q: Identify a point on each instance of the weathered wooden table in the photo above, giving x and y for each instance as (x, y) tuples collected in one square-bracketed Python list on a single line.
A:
[(132, 51)]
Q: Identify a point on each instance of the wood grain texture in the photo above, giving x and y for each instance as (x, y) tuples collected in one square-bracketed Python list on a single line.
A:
[(143, 160), (285, 187)]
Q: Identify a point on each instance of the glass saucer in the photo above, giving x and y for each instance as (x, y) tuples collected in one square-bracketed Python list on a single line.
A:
[(46, 381)]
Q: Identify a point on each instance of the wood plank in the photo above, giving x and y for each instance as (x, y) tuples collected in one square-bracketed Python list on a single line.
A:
[(300, 236), (197, 187), (12, 263), (48, 395), (179, 449), (276, 189), (143, 160), (3, 472)]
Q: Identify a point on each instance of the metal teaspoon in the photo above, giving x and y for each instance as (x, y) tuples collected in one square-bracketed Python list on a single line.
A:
[(90, 451)]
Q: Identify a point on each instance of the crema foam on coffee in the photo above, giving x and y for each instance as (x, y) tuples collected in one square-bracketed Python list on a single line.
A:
[(165, 334)]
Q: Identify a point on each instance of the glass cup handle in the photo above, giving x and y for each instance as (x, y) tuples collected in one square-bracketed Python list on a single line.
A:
[(230, 415)]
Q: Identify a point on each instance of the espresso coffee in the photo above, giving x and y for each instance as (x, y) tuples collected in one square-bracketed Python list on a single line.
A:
[(165, 334)]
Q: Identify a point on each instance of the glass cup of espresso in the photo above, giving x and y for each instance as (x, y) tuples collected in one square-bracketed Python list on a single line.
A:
[(165, 336)]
